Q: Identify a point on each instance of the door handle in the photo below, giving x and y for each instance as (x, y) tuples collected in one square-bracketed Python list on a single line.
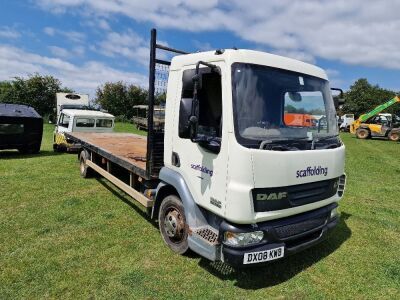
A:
[(175, 160)]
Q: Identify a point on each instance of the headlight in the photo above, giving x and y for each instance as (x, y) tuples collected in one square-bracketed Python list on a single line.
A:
[(334, 213), (243, 239)]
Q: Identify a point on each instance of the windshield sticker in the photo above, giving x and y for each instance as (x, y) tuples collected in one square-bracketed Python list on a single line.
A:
[(312, 171), (202, 169), (301, 80)]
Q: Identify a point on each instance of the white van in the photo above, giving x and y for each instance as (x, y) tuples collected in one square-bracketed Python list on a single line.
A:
[(76, 120), (346, 121)]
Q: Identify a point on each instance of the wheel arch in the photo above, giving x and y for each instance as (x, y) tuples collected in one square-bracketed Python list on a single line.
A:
[(163, 190), (173, 182)]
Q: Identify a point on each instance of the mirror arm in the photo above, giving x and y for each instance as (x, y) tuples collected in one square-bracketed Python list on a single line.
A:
[(213, 67), (340, 90)]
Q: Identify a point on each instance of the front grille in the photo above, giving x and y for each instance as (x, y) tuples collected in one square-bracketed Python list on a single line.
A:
[(294, 195), (303, 239), (297, 228)]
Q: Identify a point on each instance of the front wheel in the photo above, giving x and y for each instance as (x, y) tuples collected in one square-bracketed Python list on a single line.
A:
[(394, 136), (362, 133), (172, 223)]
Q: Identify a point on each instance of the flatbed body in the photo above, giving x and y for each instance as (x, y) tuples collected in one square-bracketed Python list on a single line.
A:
[(121, 158), (127, 150)]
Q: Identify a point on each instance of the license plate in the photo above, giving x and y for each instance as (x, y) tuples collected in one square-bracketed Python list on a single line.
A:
[(263, 256)]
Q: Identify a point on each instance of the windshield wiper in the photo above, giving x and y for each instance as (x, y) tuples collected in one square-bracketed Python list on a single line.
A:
[(278, 140), (320, 139)]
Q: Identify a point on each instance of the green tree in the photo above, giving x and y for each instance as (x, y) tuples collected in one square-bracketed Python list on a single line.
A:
[(119, 98), (37, 91), (363, 97)]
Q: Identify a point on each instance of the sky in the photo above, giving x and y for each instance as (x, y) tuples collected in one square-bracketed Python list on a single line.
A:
[(86, 43)]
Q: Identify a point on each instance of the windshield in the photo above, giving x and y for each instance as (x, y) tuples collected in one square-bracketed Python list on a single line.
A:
[(274, 104)]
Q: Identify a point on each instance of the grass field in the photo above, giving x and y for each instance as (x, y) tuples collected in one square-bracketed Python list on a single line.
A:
[(62, 236)]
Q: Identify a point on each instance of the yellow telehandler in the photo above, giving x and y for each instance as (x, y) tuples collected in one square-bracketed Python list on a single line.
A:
[(370, 125)]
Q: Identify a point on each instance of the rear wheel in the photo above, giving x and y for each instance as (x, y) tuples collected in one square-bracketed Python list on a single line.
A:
[(172, 223), (85, 171), (362, 133), (394, 136)]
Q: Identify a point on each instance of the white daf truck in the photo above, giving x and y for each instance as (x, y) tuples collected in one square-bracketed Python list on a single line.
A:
[(228, 178)]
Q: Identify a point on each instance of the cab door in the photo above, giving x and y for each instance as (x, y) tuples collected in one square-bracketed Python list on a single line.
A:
[(64, 124), (204, 170)]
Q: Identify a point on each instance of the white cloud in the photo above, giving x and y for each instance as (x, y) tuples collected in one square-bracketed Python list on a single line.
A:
[(79, 50), (64, 53), (49, 31), (9, 33), (83, 78), (299, 55), (59, 52), (201, 46), (103, 24), (74, 36), (128, 45), (355, 32)]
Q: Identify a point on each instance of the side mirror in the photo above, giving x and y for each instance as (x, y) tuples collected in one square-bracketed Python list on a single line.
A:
[(188, 83), (295, 96), (185, 110), (338, 98)]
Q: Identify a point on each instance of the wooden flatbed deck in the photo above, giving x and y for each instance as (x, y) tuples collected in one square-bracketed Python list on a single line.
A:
[(126, 149)]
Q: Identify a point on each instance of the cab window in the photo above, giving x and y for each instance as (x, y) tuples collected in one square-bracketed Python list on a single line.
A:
[(210, 105), (84, 122), (104, 123), (64, 120)]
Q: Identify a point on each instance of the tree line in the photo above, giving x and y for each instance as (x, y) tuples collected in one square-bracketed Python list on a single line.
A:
[(118, 98)]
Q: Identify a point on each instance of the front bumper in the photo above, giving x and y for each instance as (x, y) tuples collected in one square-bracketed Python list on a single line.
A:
[(294, 233)]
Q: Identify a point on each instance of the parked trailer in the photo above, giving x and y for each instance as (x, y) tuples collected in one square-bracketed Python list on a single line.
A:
[(140, 117), (21, 127), (227, 178)]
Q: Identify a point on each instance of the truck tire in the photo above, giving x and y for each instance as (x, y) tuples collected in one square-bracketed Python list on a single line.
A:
[(362, 133), (394, 136), (30, 149), (172, 223), (86, 172)]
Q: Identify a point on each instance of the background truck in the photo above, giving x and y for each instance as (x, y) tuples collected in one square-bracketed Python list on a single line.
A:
[(345, 121), (374, 124), (21, 127), (140, 113), (71, 101), (78, 120), (227, 178), (295, 119)]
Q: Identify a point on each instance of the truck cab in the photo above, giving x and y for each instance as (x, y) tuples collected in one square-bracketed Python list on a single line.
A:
[(76, 120), (248, 170)]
